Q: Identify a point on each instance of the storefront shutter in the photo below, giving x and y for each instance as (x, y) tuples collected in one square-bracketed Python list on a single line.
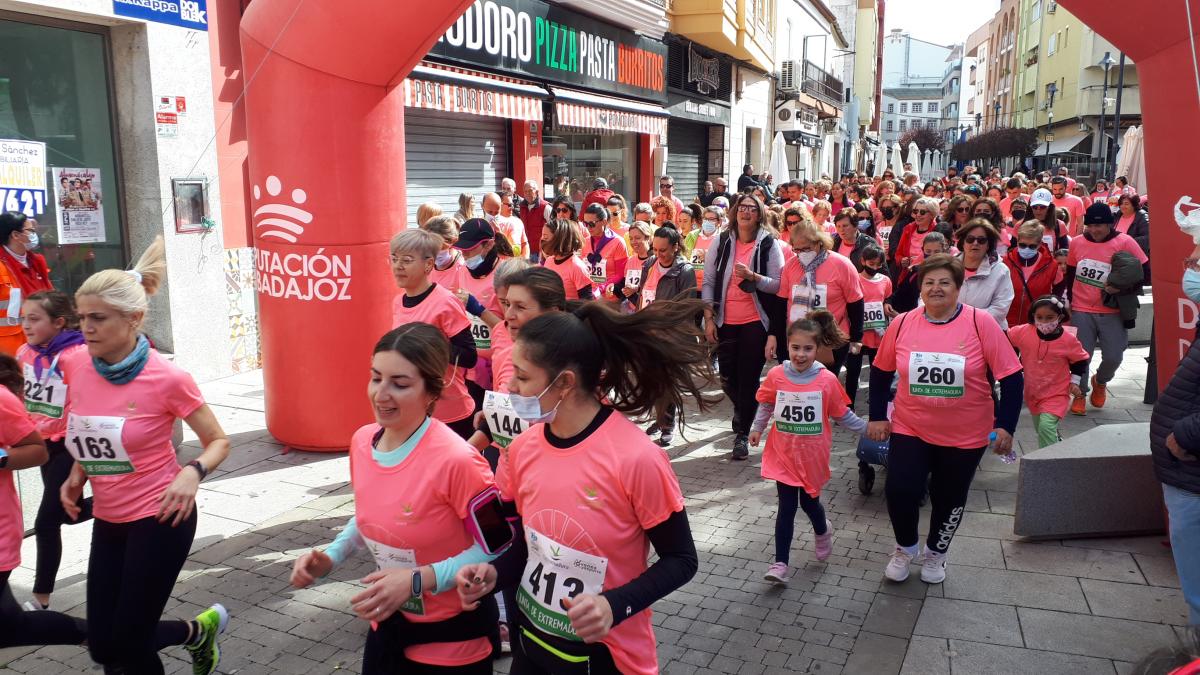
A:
[(448, 154), (687, 158)]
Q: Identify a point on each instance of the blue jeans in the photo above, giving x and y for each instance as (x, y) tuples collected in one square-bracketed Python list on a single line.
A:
[(1184, 510)]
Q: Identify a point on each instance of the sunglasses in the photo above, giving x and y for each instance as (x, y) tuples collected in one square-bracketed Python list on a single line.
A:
[(747, 208), (974, 239), (562, 210), (1029, 246), (920, 212), (664, 186), (963, 209)]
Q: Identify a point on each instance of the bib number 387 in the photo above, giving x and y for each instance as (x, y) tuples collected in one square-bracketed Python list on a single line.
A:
[(936, 374), (554, 573), (95, 442)]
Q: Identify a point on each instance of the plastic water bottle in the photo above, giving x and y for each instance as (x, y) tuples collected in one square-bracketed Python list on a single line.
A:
[(1012, 452)]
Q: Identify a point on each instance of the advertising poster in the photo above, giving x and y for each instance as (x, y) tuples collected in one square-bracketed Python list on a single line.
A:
[(80, 199), (23, 177)]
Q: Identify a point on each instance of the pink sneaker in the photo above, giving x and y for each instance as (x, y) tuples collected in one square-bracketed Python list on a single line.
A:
[(777, 572), (824, 542)]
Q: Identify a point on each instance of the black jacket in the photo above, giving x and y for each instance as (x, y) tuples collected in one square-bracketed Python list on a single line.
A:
[(1178, 411), (1139, 229), (862, 241), (681, 278)]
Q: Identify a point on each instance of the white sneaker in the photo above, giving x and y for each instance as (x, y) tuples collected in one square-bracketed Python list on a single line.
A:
[(933, 568), (897, 567)]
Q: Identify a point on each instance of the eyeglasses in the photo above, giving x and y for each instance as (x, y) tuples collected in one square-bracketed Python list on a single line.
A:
[(1029, 246), (712, 220), (963, 209), (562, 210), (974, 239), (920, 212), (664, 186), (402, 263), (747, 208)]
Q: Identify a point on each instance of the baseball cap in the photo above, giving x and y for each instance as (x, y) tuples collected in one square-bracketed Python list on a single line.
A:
[(473, 232), (1098, 213), (1041, 197)]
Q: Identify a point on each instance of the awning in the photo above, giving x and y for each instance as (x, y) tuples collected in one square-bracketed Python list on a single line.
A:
[(438, 87), (582, 110), (1064, 144)]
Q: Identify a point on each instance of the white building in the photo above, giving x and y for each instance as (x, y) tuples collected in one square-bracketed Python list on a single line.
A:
[(907, 108), (958, 91)]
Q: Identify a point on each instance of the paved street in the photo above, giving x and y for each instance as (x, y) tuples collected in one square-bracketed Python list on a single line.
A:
[(1007, 606)]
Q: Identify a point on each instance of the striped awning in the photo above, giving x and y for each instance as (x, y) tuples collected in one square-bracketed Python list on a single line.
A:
[(580, 110), (439, 87)]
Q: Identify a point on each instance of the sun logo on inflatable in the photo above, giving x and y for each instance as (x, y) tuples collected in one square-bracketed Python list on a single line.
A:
[(278, 220)]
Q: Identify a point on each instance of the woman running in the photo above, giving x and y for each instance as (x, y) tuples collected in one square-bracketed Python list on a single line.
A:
[(591, 489), (52, 328), (561, 251), (124, 402), (415, 483)]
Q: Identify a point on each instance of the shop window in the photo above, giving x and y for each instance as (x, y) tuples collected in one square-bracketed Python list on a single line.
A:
[(55, 88), (572, 160)]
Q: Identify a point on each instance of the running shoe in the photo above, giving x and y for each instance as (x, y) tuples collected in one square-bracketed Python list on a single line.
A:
[(897, 567), (1099, 394), (505, 639), (206, 653), (34, 605), (741, 447), (777, 573), (653, 430), (666, 438), (824, 542), (1078, 406), (933, 568)]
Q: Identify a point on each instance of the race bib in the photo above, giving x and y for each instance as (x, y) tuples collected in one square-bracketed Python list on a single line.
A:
[(884, 233), (799, 413), (1048, 240), (47, 396), (597, 271), (501, 419), (390, 557), (873, 316), (936, 374), (806, 298), (481, 332), (1093, 272), (633, 276), (647, 297), (95, 442), (554, 572), (698, 259)]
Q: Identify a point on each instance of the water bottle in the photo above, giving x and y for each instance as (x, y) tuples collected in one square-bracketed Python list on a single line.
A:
[(1012, 452)]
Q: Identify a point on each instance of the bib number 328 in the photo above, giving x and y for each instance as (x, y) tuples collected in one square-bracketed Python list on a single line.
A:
[(95, 442)]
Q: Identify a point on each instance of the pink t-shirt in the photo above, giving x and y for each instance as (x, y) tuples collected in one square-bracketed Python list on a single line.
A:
[(596, 498), (147, 408), (739, 305), (615, 256), (574, 273), (840, 281), (1075, 208), (916, 245), (1092, 262), (514, 230), (797, 449), (1047, 366), (943, 375), (15, 424), (846, 249), (702, 244), (1006, 208), (502, 348), (453, 276), (418, 507), (443, 311), (875, 290), (40, 398), (1124, 222)]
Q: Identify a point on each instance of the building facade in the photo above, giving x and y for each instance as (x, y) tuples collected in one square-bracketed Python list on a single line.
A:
[(913, 107)]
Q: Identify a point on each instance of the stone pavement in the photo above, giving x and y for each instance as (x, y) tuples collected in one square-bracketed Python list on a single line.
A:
[(1007, 606)]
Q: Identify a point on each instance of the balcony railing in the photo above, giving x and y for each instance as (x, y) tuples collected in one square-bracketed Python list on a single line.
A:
[(822, 85)]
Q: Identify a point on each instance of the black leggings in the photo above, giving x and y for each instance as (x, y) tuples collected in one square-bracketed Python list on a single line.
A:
[(51, 516), (854, 364), (785, 521), (19, 628), (741, 354), (839, 359), (529, 658), (949, 470), (131, 572), (380, 659)]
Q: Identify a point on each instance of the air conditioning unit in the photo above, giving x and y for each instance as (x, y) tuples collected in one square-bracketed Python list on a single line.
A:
[(1051, 7), (787, 76)]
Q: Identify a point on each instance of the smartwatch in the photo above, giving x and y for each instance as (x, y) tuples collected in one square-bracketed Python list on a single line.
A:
[(3, 458), (195, 464), (416, 583)]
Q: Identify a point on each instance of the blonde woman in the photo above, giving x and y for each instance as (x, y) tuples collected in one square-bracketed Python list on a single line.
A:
[(427, 211), (466, 208)]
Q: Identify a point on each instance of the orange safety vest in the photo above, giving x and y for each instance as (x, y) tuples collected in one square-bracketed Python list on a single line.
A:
[(11, 335)]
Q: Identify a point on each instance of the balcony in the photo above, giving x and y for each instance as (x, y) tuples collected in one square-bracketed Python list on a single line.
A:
[(821, 85), (740, 28)]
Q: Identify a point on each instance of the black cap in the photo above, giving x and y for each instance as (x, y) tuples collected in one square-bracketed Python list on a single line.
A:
[(473, 232), (1098, 212)]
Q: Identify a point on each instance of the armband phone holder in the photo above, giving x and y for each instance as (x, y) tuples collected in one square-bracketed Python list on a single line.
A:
[(487, 523)]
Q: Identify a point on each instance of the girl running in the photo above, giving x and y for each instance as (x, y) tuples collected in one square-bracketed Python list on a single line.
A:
[(592, 489), (124, 402), (798, 398), (1055, 362), (414, 485), (50, 324)]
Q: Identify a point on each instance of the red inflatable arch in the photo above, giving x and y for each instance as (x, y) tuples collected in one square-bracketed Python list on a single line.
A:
[(1156, 37), (325, 123)]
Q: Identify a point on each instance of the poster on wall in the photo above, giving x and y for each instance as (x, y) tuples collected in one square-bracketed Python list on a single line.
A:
[(23, 176), (80, 205)]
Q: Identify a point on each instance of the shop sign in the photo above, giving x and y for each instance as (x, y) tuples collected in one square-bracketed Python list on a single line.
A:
[(453, 97), (183, 13), (533, 39), (704, 74), (23, 176)]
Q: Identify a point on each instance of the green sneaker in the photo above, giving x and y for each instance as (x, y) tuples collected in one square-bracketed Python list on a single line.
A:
[(206, 654)]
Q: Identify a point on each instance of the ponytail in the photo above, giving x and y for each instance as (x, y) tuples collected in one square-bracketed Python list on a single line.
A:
[(639, 362), (128, 291), (824, 328)]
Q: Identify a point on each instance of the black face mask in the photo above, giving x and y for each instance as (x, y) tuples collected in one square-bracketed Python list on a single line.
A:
[(870, 270), (1018, 215), (888, 213)]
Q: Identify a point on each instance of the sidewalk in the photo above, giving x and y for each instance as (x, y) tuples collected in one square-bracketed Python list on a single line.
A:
[(1076, 606)]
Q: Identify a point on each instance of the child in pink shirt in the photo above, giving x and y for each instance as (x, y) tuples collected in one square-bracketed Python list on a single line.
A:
[(1054, 361)]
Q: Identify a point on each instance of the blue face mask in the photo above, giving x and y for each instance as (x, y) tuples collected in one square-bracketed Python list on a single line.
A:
[(442, 259), (529, 408), (1027, 253), (33, 240), (1191, 285), (473, 262), (864, 225)]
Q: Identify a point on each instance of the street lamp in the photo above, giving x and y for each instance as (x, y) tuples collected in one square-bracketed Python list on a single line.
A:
[(1051, 89), (1106, 63)]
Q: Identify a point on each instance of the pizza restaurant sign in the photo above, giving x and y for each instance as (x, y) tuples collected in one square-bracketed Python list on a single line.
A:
[(531, 38)]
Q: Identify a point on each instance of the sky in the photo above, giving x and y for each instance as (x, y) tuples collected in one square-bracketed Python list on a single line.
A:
[(943, 22)]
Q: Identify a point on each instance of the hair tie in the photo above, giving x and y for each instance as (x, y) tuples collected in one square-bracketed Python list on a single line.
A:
[(137, 276)]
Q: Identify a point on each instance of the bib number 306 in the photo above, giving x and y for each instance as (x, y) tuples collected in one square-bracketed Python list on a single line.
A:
[(95, 442)]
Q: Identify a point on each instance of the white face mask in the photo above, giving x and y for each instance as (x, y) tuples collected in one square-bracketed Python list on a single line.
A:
[(807, 257), (529, 408), (443, 258)]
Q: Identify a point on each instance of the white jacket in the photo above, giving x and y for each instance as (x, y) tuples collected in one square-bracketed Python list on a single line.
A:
[(989, 288)]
